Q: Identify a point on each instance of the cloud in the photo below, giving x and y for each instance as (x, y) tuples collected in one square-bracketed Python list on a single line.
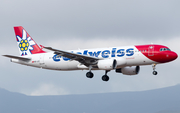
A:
[(91, 19), (47, 89)]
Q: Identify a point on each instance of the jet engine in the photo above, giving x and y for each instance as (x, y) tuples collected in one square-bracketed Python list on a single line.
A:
[(134, 70), (108, 64), (121, 62)]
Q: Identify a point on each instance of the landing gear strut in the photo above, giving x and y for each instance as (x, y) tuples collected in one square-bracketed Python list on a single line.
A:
[(154, 67), (105, 77)]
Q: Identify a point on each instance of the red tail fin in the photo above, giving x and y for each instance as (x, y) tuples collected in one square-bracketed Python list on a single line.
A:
[(26, 44)]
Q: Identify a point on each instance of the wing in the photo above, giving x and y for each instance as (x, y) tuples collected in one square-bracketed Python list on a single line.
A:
[(84, 59), (17, 57)]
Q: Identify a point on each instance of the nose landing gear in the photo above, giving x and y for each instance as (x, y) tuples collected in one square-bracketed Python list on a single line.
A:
[(154, 67)]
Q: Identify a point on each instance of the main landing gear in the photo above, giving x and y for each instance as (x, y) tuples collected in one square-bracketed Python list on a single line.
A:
[(105, 77), (91, 75), (154, 67)]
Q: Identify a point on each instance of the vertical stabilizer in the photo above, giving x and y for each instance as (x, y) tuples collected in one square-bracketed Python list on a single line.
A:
[(26, 44)]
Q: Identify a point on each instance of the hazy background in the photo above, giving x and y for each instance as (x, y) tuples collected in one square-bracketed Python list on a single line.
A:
[(73, 24)]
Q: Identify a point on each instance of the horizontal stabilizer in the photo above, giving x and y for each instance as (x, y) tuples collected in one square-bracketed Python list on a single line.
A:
[(17, 57)]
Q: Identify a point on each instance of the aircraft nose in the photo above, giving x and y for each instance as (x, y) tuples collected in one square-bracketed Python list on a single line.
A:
[(172, 56)]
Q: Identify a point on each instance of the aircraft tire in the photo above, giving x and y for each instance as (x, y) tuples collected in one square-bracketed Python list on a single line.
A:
[(155, 73), (89, 75), (105, 78)]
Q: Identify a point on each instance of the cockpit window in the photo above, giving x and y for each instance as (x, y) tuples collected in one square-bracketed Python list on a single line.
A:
[(165, 49)]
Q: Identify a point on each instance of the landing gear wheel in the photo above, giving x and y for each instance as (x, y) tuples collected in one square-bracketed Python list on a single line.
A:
[(89, 75), (105, 78), (154, 72), (154, 67)]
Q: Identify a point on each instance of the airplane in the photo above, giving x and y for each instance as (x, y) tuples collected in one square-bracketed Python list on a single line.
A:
[(126, 60)]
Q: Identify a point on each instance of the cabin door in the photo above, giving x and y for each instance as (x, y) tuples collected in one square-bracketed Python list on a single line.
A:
[(151, 50)]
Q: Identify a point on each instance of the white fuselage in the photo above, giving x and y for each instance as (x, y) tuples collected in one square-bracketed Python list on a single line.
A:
[(128, 54)]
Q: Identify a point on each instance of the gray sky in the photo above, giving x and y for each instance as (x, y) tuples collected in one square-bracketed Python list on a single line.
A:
[(69, 24)]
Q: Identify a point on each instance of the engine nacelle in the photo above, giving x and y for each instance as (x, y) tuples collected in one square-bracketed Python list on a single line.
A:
[(107, 64), (121, 62), (129, 70)]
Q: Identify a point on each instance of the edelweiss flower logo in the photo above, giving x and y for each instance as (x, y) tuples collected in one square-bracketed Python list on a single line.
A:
[(25, 44)]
